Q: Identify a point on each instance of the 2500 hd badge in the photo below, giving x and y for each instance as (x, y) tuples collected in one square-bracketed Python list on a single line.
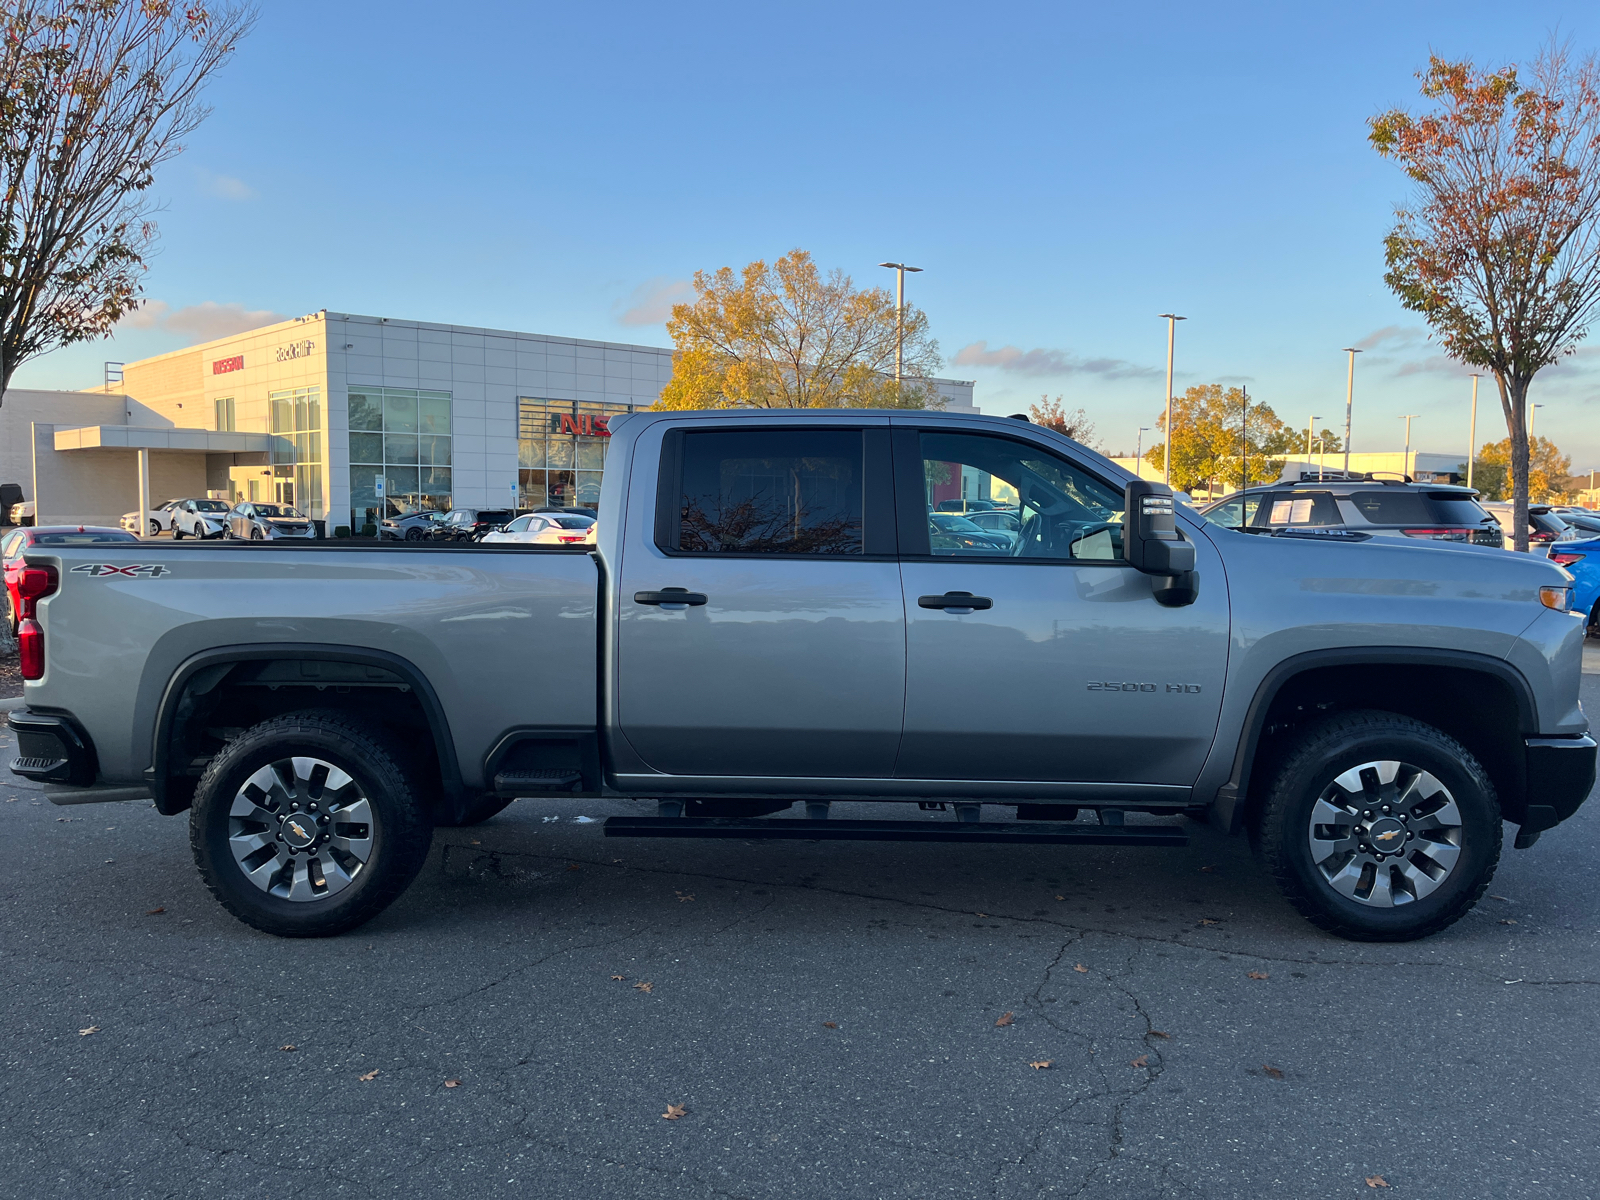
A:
[(1187, 689)]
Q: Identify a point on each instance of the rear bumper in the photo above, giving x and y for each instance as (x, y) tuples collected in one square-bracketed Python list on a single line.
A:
[(1560, 774), (52, 748)]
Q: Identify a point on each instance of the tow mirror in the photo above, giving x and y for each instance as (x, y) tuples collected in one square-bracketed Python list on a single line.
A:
[(1152, 544)]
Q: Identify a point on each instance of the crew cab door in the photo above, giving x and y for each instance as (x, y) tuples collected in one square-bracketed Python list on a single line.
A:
[(785, 657), (1047, 658)]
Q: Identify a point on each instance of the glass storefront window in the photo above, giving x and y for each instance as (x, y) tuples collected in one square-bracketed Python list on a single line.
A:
[(296, 417), (405, 440)]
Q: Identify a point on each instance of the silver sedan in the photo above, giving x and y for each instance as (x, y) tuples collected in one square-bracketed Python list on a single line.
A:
[(252, 521)]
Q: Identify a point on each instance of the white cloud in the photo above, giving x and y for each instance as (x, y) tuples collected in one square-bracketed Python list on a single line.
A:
[(227, 187), (651, 302), (201, 322), (1047, 362)]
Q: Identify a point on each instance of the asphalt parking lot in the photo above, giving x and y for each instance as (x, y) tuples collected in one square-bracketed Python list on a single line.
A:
[(854, 1019)]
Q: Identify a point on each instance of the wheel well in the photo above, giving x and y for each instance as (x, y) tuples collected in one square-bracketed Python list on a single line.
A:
[(220, 700), (1479, 709)]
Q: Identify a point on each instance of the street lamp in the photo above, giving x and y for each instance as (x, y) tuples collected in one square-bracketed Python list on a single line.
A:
[(1472, 430), (1310, 425), (1349, 397), (1138, 453), (1405, 468), (1532, 417), (1172, 325), (900, 270)]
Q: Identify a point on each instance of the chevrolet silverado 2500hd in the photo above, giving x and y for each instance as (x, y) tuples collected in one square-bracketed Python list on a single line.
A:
[(772, 618)]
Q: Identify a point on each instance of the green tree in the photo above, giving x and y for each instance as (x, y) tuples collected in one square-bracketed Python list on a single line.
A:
[(97, 94), (1206, 443), (1500, 253), (786, 336)]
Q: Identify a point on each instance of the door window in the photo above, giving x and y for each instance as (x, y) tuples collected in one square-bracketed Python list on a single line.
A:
[(1234, 513), (520, 525), (1028, 503), (769, 491)]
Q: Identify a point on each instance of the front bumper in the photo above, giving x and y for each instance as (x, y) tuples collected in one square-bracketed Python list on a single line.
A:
[(1560, 772)]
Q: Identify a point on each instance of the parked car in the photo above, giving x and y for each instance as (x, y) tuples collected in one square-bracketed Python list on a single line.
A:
[(419, 526), (156, 521), (546, 529), (1585, 521), (470, 524), (253, 521), (965, 506), (1377, 507), (998, 521), (199, 519), (1545, 528), (22, 512), (955, 532), (576, 510), (16, 543), (1370, 708)]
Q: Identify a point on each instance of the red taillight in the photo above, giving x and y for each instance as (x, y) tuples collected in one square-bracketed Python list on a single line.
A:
[(1442, 535), (33, 585), (571, 538), (30, 649), (1563, 558)]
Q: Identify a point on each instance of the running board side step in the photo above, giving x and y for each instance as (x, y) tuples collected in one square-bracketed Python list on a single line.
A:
[(807, 829)]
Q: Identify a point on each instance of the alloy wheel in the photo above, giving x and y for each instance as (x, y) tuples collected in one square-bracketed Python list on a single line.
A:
[(1385, 833), (301, 829)]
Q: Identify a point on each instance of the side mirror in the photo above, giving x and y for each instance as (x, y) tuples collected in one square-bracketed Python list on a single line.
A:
[(1152, 544)]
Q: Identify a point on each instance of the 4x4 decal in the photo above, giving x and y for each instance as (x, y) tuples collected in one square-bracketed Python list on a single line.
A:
[(133, 571)]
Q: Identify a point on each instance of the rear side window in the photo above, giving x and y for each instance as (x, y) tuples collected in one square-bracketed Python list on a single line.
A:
[(769, 491), (1399, 507), (1298, 510)]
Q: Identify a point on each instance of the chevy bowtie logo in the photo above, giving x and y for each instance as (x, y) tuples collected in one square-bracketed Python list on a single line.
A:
[(298, 832), (1388, 835)]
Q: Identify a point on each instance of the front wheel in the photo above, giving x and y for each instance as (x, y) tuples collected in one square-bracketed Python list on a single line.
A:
[(1379, 828), (306, 825), (155, 528), (177, 533)]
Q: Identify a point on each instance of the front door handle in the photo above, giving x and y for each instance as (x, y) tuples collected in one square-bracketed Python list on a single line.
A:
[(671, 598), (955, 602)]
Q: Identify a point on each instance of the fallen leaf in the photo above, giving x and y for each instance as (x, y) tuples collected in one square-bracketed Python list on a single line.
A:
[(1377, 1181), (1005, 1019), (369, 1076), (1060, 897), (1208, 868), (290, 1046), (1257, 975), (980, 914), (674, 1111), (476, 842), (88, 1031), (1507, 899), (830, 1024), (1142, 1061), (1080, 968), (1209, 921), (452, 1083), (574, 867), (1271, 1072), (682, 896), (1508, 920), (619, 978), (1159, 1034), (1042, 1066), (155, 912), (644, 987)]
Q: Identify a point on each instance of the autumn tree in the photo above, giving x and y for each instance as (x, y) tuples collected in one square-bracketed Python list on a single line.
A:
[(97, 95), (786, 336), (1206, 444), (1549, 471), (1500, 249), (1074, 424)]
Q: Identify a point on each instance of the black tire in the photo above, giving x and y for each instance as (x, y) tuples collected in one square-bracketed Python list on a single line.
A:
[(400, 831), (177, 532), (1283, 829), (255, 536), (476, 814), (414, 534), (155, 528)]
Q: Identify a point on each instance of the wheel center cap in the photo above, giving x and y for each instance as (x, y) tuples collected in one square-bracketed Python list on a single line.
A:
[(299, 830), (1387, 835)]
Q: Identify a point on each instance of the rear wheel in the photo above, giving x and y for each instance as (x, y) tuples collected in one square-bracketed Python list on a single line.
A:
[(414, 534), (1379, 828), (306, 825)]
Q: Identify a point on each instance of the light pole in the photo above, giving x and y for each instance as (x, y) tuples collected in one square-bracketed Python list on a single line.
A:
[(1138, 452), (1172, 326), (900, 270), (1533, 415), (1310, 426), (1244, 438), (1405, 468), (1472, 430), (1349, 398)]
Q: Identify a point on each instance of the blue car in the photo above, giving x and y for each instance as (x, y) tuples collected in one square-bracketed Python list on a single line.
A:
[(1582, 561)]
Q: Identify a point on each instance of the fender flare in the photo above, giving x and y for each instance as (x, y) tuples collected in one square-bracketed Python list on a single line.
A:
[(222, 656), (1229, 809)]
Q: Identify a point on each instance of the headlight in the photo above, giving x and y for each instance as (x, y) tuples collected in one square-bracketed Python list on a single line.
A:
[(1558, 598)]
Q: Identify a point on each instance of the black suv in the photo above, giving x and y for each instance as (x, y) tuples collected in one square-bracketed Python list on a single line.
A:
[(1380, 507), (470, 524)]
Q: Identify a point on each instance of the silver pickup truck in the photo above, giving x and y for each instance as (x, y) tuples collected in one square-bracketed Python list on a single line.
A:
[(782, 614)]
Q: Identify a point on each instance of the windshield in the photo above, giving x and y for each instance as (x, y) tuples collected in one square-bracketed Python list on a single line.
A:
[(210, 506), (279, 510)]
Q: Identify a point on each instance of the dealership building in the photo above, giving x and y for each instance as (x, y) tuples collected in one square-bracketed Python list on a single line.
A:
[(347, 417)]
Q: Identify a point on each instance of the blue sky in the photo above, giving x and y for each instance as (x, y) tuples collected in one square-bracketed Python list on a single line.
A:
[(1063, 172)]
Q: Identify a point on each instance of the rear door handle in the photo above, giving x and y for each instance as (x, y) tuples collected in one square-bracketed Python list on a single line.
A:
[(671, 598), (957, 602)]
